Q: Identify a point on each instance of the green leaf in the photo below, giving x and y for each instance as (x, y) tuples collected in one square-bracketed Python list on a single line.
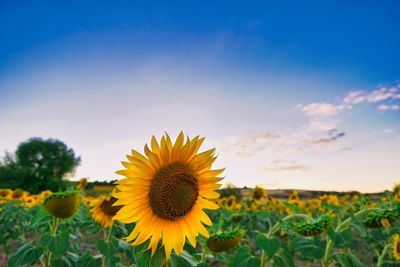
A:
[(241, 255), (269, 244), (86, 260), (109, 250), (350, 260), (144, 259), (62, 262), (25, 255), (340, 239), (41, 217), (57, 244), (283, 260), (251, 262), (309, 248), (183, 260)]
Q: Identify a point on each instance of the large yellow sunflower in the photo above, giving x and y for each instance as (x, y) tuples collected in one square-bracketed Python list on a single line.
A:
[(166, 191), (396, 247), (104, 210)]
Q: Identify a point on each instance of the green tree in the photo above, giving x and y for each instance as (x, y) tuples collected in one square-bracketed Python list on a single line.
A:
[(231, 190), (38, 165)]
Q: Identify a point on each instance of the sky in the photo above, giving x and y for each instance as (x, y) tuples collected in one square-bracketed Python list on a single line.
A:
[(291, 95)]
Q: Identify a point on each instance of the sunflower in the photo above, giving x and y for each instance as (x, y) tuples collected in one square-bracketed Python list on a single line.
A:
[(382, 217), (62, 204), (45, 194), (82, 184), (258, 193), (312, 227), (18, 194), (5, 193), (220, 242), (104, 210), (166, 191), (396, 247), (30, 201)]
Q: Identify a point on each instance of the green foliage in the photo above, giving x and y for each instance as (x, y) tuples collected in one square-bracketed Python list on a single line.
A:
[(25, 255), (309, 249), (57, 244), (270, 245), (38, 165), (267, 238), (350, 260)]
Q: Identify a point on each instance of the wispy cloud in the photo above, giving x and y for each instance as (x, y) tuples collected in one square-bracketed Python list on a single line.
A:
[(285, 166), (352, 98), (319, 109), (334, 136), (388, 107), (380, 94), (301, 140)]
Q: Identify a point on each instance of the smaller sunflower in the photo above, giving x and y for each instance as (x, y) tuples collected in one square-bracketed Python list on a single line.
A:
[(258, 193), (82, 184), (45, 194), (62, 204), (382, 218), (18, 194), (5, 193), (312, 227), (104, 211), (396, 247), (30, 201), (230, 202), (221, 242)]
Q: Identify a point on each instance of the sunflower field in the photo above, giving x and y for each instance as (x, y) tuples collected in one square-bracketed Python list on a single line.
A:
[(167, 211)]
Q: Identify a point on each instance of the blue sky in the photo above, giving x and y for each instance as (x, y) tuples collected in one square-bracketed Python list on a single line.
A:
[(292, 95)]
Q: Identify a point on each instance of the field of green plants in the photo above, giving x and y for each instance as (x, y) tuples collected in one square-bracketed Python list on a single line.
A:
[(256, 230)]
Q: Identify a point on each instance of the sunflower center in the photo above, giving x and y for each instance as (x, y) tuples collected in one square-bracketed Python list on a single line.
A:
[(108, 208), (173, 191)]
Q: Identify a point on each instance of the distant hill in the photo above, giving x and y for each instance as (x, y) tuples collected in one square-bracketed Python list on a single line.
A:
[(306, 194)]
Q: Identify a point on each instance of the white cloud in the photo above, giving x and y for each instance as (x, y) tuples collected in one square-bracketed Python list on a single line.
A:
[(384, 107), (354, 97), (383, 93), (378, 95), (318, 124), (319, 109), (284, 166)]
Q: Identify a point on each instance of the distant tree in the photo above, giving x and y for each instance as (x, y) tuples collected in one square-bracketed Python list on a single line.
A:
[(10, 172), (38, 165), (231, 190)]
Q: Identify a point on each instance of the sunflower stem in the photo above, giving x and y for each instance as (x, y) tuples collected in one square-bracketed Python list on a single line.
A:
[(53, 231), (203, 253), (262, 258), (382, 255), (107, 235)]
